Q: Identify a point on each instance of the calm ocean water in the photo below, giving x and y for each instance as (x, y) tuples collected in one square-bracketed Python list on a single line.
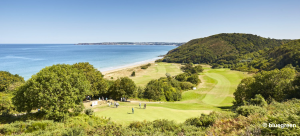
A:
[(28, 59)]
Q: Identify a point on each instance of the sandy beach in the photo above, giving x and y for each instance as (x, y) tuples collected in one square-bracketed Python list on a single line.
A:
[(129, 66)]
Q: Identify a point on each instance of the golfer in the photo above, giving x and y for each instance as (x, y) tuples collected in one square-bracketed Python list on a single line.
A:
[(132, 110)]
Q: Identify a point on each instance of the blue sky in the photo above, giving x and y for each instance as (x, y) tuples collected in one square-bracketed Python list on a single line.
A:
[(75, 21)]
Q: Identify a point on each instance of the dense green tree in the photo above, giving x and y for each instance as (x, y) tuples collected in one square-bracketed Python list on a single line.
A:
[(215, 66), (139, 93), (243, 91), (194, 79), (275, 84), (55, 90), (182, 77), (163, 89), (295, 93), (94, 76), (190, 68), (154, 90), (187, 67), (197, 69), (5, 104), (246, 52), (7, 79), (122, 87), (186, 85)]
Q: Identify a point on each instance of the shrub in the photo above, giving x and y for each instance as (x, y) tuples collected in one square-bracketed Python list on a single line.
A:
[(186, 85), (89, 112), (194, 79), (6, 105), (168, 74), (133, 73), (258, 101), (247, 110), (202, 121), (145, 66), (78, 109), (182, 77), (215, 66)]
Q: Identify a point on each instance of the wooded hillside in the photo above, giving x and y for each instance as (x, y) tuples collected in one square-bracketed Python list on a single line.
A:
[(244, 52)]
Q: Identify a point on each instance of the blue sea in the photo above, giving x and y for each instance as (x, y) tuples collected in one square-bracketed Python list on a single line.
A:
[(28, 59)]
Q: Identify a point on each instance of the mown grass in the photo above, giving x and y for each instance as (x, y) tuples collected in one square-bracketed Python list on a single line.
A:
[(156, 71), (215, 93), (123, 114)]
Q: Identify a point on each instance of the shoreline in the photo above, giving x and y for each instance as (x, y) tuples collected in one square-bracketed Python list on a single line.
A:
[(132, 65)]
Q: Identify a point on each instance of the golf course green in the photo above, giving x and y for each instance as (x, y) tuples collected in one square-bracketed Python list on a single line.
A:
[(215, 93)]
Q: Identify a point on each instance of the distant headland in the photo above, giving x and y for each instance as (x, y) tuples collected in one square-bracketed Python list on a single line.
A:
[(133, 43)]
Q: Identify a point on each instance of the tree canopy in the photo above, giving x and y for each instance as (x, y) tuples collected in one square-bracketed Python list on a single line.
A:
[(275, 84), (7, 79), (55, 90), (244, 52), (122, 87), (94, 76), (163, 89)]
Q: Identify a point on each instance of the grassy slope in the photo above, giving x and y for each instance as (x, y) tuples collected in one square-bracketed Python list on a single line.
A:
[(143, 76), (155, 72), (215, 93)]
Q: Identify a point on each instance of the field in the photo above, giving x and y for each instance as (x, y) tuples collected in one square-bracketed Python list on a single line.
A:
[(215, 93), (143, 76)]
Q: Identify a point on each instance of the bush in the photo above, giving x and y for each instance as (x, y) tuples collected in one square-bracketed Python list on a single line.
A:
[(194, 79), (89, 112), (6, 105), (133, 73), (214, 66), (145, 66), (78, 109), (186, 85), (168, 74), (182, 77), (202, 121), (247, 110), (258, 101)]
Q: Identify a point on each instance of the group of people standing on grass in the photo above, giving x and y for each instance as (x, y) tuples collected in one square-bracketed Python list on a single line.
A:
[(141, 105), (115, 104), (123, 99)]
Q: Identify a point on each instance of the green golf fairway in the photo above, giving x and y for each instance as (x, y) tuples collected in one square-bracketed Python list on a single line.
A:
[(123, 114), (215, 93)]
